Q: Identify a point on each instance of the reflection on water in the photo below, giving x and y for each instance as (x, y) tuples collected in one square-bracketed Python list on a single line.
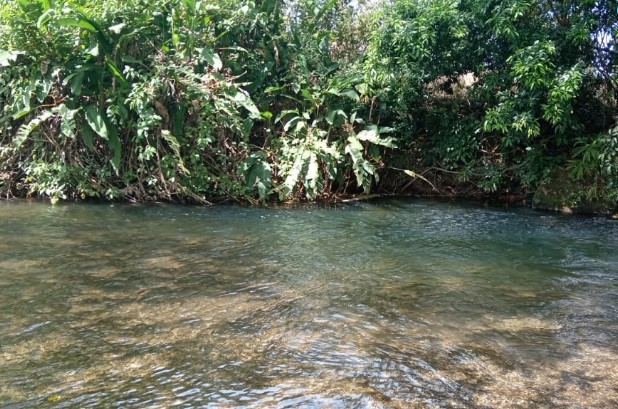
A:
[(394, 304)]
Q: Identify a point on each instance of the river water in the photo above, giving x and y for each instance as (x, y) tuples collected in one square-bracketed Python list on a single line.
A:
[(390, 304)]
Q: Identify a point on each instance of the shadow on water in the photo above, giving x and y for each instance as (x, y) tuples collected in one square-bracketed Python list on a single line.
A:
[(396, 304)]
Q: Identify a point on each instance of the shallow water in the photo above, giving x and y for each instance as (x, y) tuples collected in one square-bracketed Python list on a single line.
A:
[(391, 304)]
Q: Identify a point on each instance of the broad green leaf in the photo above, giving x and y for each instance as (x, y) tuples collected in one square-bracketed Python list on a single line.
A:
[(114, 70), (354, 148), (93, 49), (285, 113), (75, 81), (21, 113), (264, 183), (96, 121), (44, 18), (306, 94), (351, 94), (385, 129), (372, 135), (212, 58), (190, 5), (291, 123), (67, 117), (332, 115), (362, 88), (369, 135), (331, 163), (44, 86), (74, 22), (243, 100), (313, 169), (258, 173), (296, 87), (363, 169)]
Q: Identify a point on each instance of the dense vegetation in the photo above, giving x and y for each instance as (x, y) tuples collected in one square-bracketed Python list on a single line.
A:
[(259, 100)]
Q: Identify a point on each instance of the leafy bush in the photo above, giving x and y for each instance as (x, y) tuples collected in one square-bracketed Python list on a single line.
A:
[(262, 100)]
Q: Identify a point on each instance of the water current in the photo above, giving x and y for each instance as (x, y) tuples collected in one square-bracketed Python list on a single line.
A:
[(387, 304)]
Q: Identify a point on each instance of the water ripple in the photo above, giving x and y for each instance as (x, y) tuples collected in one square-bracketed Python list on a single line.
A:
[(393, 304)]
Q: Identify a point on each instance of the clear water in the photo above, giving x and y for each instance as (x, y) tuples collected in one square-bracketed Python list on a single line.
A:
[(393, 304)]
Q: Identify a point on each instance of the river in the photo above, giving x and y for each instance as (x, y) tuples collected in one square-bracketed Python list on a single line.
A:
[(387, 304)]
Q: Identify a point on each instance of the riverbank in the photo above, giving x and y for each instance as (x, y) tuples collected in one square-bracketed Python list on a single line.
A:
[(503, 199), (183, 102)]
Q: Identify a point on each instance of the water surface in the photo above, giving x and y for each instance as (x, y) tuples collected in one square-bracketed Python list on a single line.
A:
[(392, 304)]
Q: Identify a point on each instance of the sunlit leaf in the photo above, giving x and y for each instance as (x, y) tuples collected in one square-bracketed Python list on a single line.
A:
[(243, 100), (258, 173), (291, 122), (292, 177), (114, 70), (212, 58), (351, 94), (44, 18), (93, 49), (117, 28), (8, 57), (26, 129), (75, 81), (74, 22), (173, 143), (96, 121)]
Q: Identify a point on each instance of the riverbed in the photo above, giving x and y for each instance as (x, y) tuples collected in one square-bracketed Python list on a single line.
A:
[(387, 304)]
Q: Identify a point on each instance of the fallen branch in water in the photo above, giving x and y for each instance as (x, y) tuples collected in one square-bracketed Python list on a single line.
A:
[(415, 175)]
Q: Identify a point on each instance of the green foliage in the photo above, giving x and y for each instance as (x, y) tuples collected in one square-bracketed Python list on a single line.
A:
[(257, 100), (100, 100), (258, 174), (321, 145), (597, 160), (117, 87), (497, 91)]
